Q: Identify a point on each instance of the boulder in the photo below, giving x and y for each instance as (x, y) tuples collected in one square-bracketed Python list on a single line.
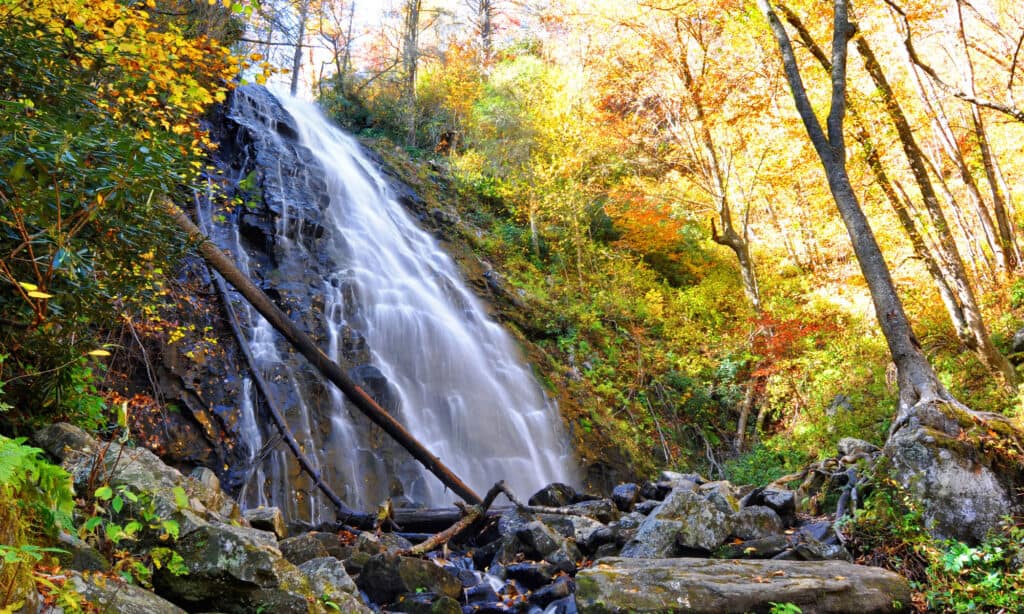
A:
[(601, 510), (110, 595), (385, 577), (705, 585), (141, 471), (425, 603), (781, 500), (78, 555), (233, 569), (853, 447), (764, 548), (625, 496), (267, 519), (301, 548), (684, 518), (332, 584), (943, 455), (755, 522), (554, 495)]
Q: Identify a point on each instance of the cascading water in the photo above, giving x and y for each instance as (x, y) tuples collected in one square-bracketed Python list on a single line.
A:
[(336, 248)]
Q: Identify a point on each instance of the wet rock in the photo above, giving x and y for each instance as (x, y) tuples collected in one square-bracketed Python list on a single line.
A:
[(685, 519), (79, 555), (330, 582), (327, 573), (540, 542), (755, 522), (560, 589), (764, 548), (587, 532), (646, 507), (113, 595), (385, 577), (677, 480), (851, 446), (332, 543), (566, 605), (140, 471), (532, 575), (424, 603), (233, 569), (820, 530), (703, 585), (936, 454), (602, 510), (625, 496), (297, 550), (814, 550), (654, 491), (781, 500), (554, 495), (385, 542), (267, 519)]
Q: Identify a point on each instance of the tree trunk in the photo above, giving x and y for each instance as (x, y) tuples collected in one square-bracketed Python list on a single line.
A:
[(918, 382), (946, 267), (949, 255), (718, 185), (410, 62), (300, 35), (330, 369)]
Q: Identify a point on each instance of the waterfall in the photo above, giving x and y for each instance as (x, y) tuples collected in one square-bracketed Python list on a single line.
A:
[(332, 243)]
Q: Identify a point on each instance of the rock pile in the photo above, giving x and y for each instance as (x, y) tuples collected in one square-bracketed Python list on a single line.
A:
[(678, 544)]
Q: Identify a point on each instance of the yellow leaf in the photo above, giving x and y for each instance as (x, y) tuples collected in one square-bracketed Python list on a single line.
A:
[(99, 353), (28, 286), (38, 294)]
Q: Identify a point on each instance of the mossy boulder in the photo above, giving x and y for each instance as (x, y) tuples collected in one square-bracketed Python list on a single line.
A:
[(638, 586), (386, 577), (965, 468), (684, 518)]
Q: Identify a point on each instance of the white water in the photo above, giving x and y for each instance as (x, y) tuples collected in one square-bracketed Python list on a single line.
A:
[(463, 388)]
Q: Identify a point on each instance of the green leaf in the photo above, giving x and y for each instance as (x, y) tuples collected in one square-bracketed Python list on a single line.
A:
[(180, 498), (114, 532), (104, 493), (171, 528), (92, 523), (132, 527)]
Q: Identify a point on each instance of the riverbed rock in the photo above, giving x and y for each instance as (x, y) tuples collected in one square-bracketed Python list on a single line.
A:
[(625, 496), (386, 576), (663, 586), (755, 522), (781, 500), (554, 495), (267, 519), (684, 518), (301, 548), (233, 569), (938, 451), (114, 595)]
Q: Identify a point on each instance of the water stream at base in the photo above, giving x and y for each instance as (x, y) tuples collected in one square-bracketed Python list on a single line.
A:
[(455, 378)]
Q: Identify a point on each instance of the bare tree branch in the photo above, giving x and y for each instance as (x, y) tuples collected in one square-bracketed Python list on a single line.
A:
[(952, 90)]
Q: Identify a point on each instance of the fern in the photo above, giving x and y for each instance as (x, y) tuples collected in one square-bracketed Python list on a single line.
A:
[(43, 488)]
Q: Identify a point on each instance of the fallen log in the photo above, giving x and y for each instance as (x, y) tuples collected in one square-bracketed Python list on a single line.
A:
[(330, 369), (473, 514), (345, 514)]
